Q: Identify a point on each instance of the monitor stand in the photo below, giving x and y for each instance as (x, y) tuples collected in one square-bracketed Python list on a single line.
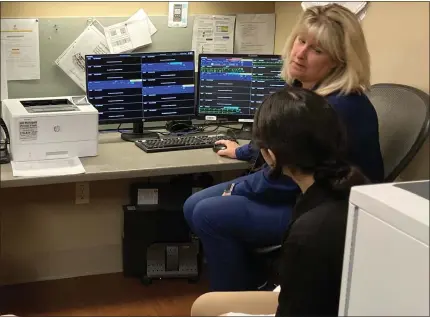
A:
[(243, 134), (138, 133)]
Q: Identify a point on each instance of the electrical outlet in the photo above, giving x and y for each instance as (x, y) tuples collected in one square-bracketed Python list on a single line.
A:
[(82, 193)]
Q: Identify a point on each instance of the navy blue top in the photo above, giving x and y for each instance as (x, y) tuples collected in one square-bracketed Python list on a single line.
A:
[(361, 121)]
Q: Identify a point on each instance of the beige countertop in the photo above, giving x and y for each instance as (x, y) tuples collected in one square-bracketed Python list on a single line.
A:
[(118, 159)]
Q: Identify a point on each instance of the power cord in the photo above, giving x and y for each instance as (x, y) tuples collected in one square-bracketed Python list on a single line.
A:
[(4, 144), (181, 127), (194, 129), (186, 128)]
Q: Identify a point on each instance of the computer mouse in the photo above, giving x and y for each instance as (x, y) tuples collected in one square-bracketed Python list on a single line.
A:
[(218, 147)]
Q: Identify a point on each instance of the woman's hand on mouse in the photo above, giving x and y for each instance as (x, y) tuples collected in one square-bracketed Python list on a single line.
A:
[(230, 151)]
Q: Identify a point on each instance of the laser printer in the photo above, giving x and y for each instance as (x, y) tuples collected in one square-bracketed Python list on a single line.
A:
[(50, 128), (386, 259)]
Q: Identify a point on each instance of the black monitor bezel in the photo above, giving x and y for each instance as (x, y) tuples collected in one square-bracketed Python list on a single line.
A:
[(238, 118), (152, 119)]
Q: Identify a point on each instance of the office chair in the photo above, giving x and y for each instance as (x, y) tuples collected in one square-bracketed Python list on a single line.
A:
[(403, 115)]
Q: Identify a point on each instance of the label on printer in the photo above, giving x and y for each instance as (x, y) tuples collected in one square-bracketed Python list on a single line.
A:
[(28, 130)]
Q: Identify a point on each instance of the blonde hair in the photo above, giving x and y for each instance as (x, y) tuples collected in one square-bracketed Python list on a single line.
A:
[(339, 33)]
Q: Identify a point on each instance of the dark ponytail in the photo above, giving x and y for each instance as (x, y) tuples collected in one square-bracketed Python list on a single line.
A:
[(339, 175)]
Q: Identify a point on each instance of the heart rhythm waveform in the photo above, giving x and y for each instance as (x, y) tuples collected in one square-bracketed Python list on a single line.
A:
[(240, 70), (220, 109)]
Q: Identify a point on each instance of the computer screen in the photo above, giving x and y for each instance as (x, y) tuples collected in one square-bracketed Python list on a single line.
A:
[(233, 86), (141, 86)]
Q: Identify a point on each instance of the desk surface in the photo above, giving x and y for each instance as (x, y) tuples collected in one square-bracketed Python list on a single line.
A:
[(118, 159)]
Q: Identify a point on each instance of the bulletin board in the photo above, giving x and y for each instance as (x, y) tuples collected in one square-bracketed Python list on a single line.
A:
[(56, 34)]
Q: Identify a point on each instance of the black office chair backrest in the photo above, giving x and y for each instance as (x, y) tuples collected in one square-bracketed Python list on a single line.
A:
[(403, 114)]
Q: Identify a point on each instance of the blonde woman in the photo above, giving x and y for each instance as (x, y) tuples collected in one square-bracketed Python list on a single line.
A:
[(326, 52)]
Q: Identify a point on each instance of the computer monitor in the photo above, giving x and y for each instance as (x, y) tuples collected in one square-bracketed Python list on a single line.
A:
[(138, 87), (232, 86)]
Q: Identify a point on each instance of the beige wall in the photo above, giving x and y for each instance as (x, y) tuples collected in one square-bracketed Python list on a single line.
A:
[(43, 234), (87, 9), (397, 34)]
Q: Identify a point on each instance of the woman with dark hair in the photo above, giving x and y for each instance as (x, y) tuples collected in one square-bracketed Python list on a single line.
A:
[(301, 136)]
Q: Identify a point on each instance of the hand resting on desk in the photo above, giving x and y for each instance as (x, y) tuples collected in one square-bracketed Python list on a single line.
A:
[(230, 151)]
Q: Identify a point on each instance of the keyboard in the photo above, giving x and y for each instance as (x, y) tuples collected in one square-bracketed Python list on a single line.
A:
[(185, 142)]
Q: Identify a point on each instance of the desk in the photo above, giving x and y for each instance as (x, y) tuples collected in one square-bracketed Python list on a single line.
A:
[(118, 159), (45, 235)]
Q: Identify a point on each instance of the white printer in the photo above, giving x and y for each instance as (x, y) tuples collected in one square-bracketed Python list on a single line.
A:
[(386, 260), (50, 128)]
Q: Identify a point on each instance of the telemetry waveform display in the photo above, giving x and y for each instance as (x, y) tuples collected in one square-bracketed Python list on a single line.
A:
[(167, 67), (226, 76), (168, 90), (130, 87), (226, 61), (234, 87), (114, 84), (220, 109), (223, 70)]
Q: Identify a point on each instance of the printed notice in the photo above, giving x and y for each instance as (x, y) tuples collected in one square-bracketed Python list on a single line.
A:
[(127, 36), (72, 60), (147, 196), (142, 16), (178, 15), (21, 40), (255, 34), (213, 34), (3, 75), (28, 130)]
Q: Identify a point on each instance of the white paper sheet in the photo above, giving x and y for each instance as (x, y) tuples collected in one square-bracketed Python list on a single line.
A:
[(55, 167), (147, 196), (72, 60), (213, 34), (178, 15), (255, 34), (21, 39), (141, 15), (357, 7), (3, 74), (127, 36), (362, 14)]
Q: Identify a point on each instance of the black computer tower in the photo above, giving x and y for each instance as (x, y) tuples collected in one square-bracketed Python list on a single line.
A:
[(145, 230), (157, 242)]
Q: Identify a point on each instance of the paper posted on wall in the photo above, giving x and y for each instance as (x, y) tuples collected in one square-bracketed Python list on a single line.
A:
[(178, 15), (72, 60), (127, 36), (213, 34), (21, 40), (3, 75), (142, 16), (255, 34)]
